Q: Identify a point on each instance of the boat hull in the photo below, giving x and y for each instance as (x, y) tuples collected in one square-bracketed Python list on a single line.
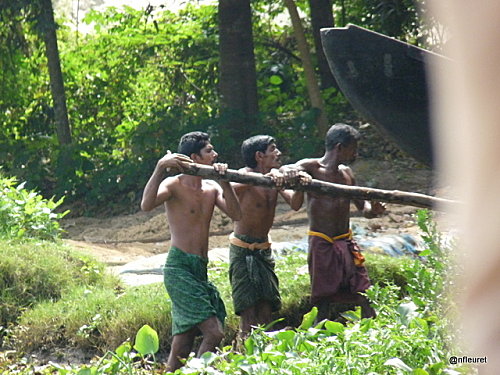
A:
[(385, 81)]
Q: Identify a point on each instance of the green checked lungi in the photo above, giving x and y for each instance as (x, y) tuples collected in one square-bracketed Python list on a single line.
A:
[(194, 298), (252, 277)]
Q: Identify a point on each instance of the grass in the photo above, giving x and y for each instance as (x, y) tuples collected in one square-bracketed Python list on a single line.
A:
[(58, 298), (94, 320), (36, 271)]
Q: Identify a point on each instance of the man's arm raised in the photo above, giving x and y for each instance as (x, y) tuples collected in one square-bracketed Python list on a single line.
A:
[(226, 199), (156, 192), (293, 177)]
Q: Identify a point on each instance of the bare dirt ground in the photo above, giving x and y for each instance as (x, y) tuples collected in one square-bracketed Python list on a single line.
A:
[(122, 239)]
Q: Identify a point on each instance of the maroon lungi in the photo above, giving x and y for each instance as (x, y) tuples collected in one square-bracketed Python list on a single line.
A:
[(334, 276)]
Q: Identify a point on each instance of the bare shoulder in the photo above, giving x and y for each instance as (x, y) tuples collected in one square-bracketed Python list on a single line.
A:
[(347, 171), (211, 185), (238, 186), (308, 164), (170, 182), (168, 188)]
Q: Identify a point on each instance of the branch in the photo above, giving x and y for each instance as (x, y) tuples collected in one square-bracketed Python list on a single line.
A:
[(327, 188)]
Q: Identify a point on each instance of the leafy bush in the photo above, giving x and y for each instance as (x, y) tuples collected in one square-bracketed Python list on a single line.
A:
[(26, 214), (411, 333), (98, 319)]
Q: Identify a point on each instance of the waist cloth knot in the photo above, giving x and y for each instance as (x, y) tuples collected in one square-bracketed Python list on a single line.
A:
[(251, 272)]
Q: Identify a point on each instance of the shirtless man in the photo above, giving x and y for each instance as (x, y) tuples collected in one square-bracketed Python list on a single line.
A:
[(335, 262), (189, 203), (253, 281)]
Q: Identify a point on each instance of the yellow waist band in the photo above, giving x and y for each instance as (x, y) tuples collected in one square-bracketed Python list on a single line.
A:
[(358, 258), (250, 246), (347, 235)]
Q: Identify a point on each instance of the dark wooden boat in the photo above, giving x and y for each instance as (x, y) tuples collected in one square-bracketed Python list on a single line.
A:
[(385, 81)]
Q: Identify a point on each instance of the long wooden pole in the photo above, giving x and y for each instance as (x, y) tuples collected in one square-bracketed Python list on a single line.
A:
[(328, 188)]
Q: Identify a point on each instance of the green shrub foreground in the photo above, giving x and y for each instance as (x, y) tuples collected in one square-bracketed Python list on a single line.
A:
[(411, 334), (97, 317), (34, 267), (25, 213)]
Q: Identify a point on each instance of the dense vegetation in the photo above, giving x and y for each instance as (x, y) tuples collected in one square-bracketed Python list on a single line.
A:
[(59, 300), (133, 86), (143, 78)]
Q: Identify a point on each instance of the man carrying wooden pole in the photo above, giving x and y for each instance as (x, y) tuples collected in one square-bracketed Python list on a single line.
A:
[(336, 265), (254, 283), (189, 203), (326, 188)]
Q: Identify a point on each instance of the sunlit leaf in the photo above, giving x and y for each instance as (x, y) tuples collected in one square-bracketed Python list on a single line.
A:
[(334, 327), (308, 319), (146, 341), (275, 80)]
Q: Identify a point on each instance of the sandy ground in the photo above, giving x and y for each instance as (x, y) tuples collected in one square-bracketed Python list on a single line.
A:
[(122, 239)]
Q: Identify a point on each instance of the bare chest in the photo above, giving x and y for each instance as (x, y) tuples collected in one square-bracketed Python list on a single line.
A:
[(258, 198), (193, 202), (336, 177)]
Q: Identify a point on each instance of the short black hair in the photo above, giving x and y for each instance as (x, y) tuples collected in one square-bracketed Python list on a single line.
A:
[(341, 133), (192, 143), (253, 144)]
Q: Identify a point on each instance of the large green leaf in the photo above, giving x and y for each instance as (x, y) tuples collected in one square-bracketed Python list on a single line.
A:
[(309, 318), (146, 341)]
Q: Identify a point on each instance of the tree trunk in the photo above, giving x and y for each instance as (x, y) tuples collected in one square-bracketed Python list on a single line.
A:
[(327, 188), (311, 81), (56, 79), (238, 79), (322, 16)]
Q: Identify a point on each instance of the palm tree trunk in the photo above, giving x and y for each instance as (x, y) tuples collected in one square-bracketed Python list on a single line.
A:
[(238, 78)]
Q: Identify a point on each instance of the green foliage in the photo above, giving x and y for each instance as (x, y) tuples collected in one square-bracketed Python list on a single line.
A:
[(95, 319), (140, 80), (146, 341), (133, 87), (411, 333), (401, 19), (427, 280), (386, 270), (26, 214)]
